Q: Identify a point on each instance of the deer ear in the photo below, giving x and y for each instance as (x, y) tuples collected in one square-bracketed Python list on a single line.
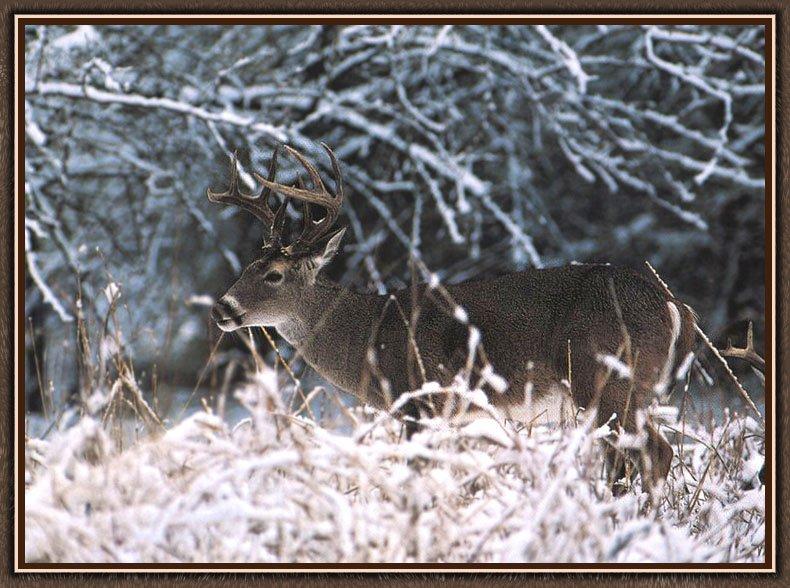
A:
[(330, 249)]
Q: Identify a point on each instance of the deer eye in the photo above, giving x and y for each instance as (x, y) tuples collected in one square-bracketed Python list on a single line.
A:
[(273, 277)]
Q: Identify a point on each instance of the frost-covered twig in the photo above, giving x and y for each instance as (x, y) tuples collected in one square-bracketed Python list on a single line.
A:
[(35, 275), (52, 88), (569, 57)]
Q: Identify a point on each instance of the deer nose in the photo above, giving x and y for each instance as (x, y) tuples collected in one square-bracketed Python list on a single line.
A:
[(227, 310), (216, 311)]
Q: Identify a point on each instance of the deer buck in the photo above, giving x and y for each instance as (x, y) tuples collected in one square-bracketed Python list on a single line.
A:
[(545, 331)]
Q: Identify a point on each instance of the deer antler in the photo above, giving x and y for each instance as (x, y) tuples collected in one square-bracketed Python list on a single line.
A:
[(255, 204), (746, 353), (319, 195), (258, 204)]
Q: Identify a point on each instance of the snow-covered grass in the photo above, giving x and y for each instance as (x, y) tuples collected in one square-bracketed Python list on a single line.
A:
[(279, 488)]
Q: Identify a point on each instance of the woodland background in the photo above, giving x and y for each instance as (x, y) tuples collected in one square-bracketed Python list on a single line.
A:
[(477, 149)]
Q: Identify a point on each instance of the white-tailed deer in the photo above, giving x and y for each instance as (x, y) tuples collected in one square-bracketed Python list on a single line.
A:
[(547, 332)]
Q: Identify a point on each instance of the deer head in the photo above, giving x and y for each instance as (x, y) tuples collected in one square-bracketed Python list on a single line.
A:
[(270, 288)]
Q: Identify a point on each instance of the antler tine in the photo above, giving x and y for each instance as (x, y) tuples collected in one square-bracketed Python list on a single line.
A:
[(319, 196), (311, 171), (307, 217), (255, 204), (279, 222), (336, 172), (746, 353), (272, 173)]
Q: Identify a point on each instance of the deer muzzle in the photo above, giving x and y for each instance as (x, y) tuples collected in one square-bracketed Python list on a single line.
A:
[(227, 313)]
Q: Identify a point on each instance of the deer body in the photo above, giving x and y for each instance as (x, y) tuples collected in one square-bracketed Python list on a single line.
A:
[(545, 331), (526, 321)]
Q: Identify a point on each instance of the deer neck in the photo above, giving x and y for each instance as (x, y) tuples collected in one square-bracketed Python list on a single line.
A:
[(330, 330)]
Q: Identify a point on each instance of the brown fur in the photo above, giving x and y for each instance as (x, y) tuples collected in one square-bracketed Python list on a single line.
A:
[(530, 324)]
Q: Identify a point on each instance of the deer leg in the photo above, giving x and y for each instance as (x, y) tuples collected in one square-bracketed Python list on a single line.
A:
[(430, 405), (652, 461), (411, 410), (655, 460), (619, 470), (611, 399)]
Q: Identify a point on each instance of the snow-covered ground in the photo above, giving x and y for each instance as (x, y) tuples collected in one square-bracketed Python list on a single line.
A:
[(277, 488)]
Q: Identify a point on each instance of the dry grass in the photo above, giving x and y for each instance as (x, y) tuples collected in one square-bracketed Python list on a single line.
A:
[(280, 488)]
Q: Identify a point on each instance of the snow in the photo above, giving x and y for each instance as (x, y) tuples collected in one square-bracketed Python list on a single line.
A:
[(490, 429), (493, 379), (569, 57), (80, 38), (285, 489), (622, 370), (460, 315), (111, 292), (102, 96)]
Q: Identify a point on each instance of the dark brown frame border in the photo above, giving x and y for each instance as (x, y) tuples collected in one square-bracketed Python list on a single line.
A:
[(762, 8)]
